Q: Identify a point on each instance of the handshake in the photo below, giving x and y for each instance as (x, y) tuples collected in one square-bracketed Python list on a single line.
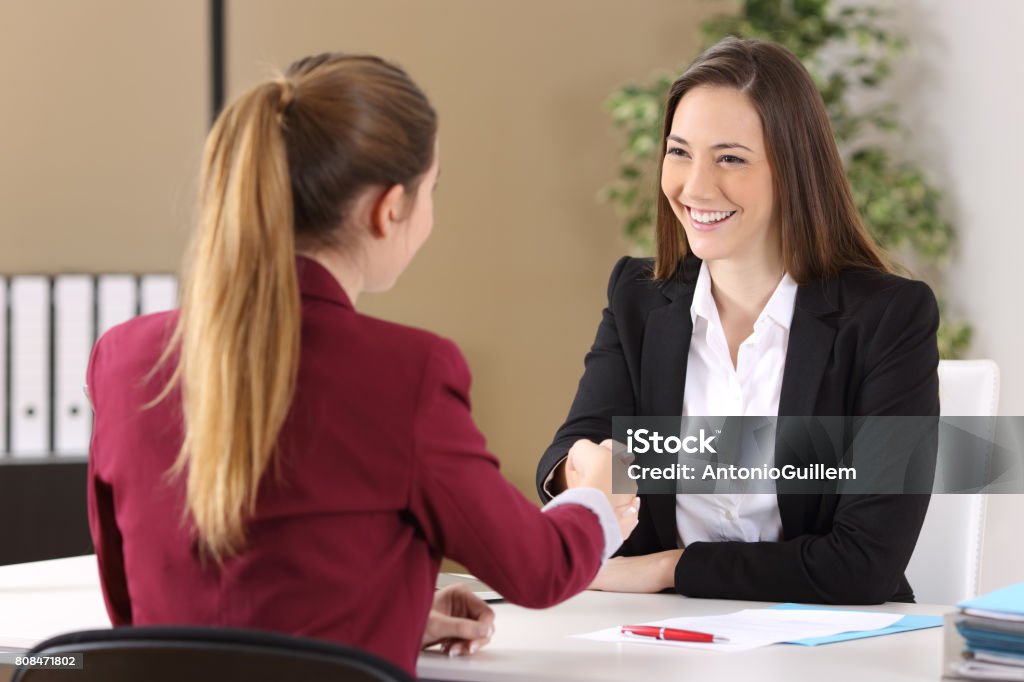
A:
[(590, 465)]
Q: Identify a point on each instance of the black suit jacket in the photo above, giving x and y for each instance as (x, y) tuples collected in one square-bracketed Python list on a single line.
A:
[(862, 343)]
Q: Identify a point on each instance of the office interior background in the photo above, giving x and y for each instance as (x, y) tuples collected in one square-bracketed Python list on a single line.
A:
[(107, 102)]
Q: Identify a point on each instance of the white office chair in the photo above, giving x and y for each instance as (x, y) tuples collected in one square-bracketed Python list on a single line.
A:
[(946, 563)]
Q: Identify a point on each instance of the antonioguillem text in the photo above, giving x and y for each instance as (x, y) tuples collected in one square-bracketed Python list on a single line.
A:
[(788, 472)]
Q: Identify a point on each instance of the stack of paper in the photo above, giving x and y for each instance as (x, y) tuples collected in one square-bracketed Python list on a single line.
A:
[(991, 644)]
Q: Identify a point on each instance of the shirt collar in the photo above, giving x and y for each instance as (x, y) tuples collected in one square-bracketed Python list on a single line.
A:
[(703, 302), (316, 281), (779, 308)]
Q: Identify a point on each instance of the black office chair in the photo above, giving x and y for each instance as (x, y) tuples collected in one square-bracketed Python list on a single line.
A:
[(201, 654)]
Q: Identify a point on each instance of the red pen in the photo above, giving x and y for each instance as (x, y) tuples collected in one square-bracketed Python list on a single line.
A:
[(671, 634)]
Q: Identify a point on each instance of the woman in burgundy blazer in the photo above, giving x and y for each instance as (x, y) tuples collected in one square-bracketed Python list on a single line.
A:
[(289, 463)]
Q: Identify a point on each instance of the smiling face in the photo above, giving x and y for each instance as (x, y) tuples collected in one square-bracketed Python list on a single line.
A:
[(716, 177)]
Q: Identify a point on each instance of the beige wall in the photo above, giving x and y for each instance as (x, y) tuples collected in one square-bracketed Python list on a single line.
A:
[(103, 116)]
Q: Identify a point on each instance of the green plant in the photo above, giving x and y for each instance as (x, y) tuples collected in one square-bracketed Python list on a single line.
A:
[(848, 51)]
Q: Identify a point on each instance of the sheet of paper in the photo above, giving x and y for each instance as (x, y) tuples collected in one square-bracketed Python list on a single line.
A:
[(999, 615), (481, 590), (752, 628), (977, 670), (905, 624)]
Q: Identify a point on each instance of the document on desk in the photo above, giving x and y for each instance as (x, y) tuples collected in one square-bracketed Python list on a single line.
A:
[(752, 628), (481, 590)]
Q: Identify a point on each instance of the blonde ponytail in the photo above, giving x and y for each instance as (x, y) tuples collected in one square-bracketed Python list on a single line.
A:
[(238, 332), (281, 168)]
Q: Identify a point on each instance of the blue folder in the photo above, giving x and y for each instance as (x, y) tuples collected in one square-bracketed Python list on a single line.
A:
[(905, 624), (980, 636), (980, 639), (1007, 600)]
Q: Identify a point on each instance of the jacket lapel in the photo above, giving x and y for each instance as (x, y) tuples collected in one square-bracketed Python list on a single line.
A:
[(666, 345), (810, 348)]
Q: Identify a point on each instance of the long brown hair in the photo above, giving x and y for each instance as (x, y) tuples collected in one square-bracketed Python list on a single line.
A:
[(822, 232), (281, 167)]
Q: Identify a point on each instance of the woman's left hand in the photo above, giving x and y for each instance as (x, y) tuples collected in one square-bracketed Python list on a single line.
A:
[(648, 573), (459, 621)]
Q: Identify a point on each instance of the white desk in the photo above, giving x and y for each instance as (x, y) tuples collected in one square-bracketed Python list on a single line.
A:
[(46, 598), (535, 645)]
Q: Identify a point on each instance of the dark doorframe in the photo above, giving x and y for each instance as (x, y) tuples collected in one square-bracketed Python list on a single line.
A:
[(217, 58)]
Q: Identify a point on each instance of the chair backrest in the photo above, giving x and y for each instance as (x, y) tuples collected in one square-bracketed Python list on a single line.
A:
[(201, 654), (946, 563)]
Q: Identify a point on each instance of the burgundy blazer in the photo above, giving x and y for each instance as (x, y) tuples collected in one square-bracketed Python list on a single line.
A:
[(382, 473)]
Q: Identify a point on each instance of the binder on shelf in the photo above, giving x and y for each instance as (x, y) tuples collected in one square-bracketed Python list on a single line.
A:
[(3, 368), (73, 335), (158, 293), (30, 366), (116, 300)]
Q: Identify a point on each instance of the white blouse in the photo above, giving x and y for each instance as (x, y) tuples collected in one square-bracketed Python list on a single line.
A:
[(715, 388)]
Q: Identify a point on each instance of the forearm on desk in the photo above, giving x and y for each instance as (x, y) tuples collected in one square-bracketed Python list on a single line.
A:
[(861, 561)]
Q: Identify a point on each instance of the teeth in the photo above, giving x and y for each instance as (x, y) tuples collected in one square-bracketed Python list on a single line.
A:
[(709, 216)]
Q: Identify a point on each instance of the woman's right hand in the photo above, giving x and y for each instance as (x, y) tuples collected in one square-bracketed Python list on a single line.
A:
[(589, 465)]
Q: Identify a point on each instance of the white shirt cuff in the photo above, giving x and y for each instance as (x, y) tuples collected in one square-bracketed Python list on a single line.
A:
[(597, 502)]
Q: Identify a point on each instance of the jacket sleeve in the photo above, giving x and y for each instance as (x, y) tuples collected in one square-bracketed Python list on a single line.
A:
[(862, 559), (106, 537), (604, 391), (469, 512)]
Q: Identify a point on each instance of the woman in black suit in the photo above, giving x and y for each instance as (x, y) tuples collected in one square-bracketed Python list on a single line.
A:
[(766, 297)]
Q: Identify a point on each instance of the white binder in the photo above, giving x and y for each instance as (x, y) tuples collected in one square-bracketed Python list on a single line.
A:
[(30, 366), (117, 300), (158, 293), (73, 335), (3, 368)]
